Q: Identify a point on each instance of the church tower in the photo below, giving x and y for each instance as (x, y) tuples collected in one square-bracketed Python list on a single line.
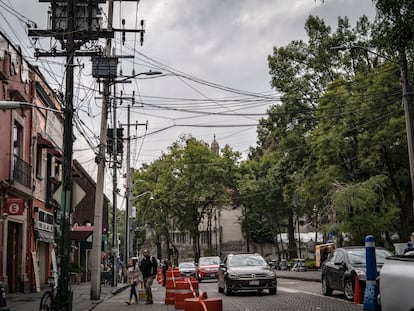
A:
[(215, 146)]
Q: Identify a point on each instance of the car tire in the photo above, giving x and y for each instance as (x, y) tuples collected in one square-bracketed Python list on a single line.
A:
[(326, 290), (227, 290), (349, 290), (272, 291)]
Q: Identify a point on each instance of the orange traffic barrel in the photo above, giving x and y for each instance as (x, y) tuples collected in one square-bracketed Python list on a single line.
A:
[(169, 287), (182, 291), (193, 285), (208, 304), (159, 275)]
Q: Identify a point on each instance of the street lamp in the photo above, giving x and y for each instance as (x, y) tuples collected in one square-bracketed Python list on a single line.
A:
[(7, 105), (315, 215), (147, 73), (128, 160), (407, 100), (127, 224)]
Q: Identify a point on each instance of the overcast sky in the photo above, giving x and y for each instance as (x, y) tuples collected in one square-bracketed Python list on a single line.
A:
[(213, 55)]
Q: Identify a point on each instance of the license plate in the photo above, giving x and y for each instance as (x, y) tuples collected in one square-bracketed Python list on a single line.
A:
[(254, 283)]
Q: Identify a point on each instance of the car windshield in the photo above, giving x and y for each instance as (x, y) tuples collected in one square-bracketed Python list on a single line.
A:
[(209, 261), (357, 256), (242, 261), (186, 265)]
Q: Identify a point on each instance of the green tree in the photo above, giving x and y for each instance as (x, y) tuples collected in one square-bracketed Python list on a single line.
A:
[(394, 35), (363, 209), (188, 182)]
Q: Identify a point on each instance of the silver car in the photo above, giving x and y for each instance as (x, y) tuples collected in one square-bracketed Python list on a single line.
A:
[(187, 269), (246, 272)]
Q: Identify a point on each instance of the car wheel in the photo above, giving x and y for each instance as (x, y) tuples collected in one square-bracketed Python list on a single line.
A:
[(227, 290), (272, 291), (326, 290), (220, 289), (349, 290)]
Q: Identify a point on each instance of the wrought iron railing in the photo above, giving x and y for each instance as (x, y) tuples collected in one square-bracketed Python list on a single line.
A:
[(22, 172)]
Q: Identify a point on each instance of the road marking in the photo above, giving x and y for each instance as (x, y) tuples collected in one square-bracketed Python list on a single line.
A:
[(291, 290)]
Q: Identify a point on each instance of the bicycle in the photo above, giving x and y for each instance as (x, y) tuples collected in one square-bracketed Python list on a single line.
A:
[(47, 303)]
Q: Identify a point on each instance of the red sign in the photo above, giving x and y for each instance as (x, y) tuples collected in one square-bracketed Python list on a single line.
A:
[(14, 206)]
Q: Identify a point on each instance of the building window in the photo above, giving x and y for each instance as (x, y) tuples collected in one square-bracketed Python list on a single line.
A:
[(204, 235), (17, 140), (39, 153)]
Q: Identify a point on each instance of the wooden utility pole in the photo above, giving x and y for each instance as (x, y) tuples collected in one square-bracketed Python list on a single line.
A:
[(95, 293), (72, 31), (64, 295)]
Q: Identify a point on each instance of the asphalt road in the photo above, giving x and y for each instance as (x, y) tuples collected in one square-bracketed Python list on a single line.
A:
[(293, 295)]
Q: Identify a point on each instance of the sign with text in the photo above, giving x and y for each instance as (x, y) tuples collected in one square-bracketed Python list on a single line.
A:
[(14, 206)]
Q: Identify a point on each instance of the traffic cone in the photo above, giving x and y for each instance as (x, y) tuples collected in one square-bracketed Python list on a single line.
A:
[(358, 298)]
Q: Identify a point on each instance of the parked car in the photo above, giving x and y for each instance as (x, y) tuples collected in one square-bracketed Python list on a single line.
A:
[(299, 265), (283, 265), (187, 269), (207, 268), (246, 272), (340, 270)]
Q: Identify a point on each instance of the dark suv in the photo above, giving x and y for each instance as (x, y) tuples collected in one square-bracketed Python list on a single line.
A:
[(345, 266), (246, 272)]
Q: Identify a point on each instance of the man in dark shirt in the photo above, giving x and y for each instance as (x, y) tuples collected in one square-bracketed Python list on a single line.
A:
[(148, 267)]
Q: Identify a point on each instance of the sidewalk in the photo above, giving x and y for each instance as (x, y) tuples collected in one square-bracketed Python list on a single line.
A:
[(81, 298)]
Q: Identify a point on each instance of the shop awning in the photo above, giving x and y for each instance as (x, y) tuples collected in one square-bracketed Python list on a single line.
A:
[(80, 233), (44, 142), (45, 236)]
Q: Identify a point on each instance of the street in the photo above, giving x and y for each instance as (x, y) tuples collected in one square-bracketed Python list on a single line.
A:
[(291, 295)]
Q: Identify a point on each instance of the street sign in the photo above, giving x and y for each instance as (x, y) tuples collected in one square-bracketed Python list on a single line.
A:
[(77, 194)]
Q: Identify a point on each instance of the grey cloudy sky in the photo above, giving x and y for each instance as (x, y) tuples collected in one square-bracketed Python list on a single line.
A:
[(194, 43)]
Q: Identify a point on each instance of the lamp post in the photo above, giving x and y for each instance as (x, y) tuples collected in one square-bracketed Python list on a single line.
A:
[(128, 160), (127, 223), (315, 215), (6, 105), (407, 100)]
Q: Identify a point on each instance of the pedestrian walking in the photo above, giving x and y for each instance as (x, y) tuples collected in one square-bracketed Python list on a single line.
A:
[(133, 279), (148, 267)]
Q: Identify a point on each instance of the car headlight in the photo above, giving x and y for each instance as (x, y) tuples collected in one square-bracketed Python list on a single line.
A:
[(271, 274), (233, 276)]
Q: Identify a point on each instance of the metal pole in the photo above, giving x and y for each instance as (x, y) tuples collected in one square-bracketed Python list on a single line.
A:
[(114, 195), (64, 296), (95, 292), (129, 190), (407, 100)]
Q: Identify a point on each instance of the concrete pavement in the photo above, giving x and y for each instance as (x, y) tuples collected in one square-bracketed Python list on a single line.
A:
[(81, 298), (82, 301)]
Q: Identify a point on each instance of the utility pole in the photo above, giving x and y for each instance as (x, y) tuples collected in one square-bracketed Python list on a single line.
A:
[(73, 28), (72, 33), (129, 214), (114, 195), (129, 184), (407, 100), (64, 295), (95, 291)]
